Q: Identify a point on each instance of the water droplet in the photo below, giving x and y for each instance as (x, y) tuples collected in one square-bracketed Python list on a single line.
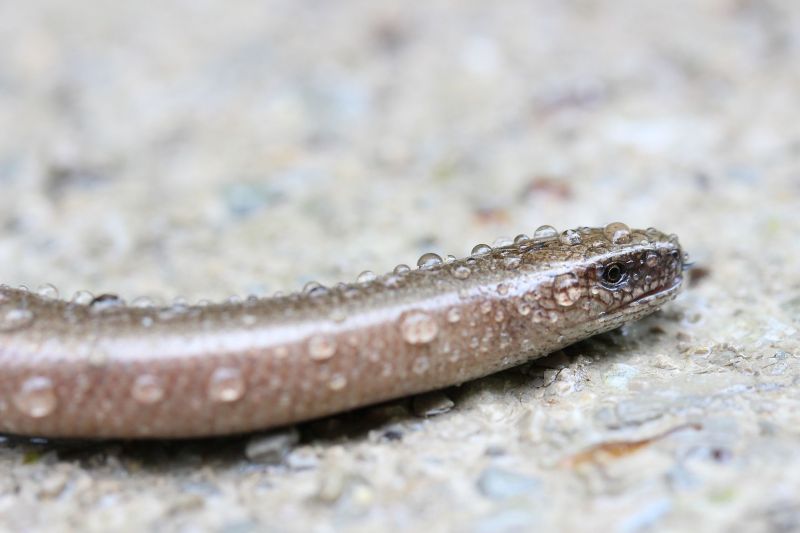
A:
[(429, 260), (147, 389), (450, 258), (502, 241), (337, 382), (47, 291), (461, 272), (105, 302), (420, 365), (512, 262), (314, 288), (366, 277), (651, 260), (502, 289), (570, 237), (523, 308), (617, 233), (481, 249), (338, 315), (143, 302), (418, 327), (567, 289), (321, 347), (82, 297), (15, 318), (226, 385), (401, 269), (453, 315), (36, 397), (521, 238), (545, 233)]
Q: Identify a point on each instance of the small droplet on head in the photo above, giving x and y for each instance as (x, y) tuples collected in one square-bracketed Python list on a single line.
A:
[(401, 269), (82, 298), (321, 347), (617, 233), (566, 289), (143, 302), (461, 272), (337, 382), (36, 397), (226, 385), (418, 327), (502, 241), (511, 262), (449, 258), (366, 277), (147, 389), (105, 302), (521, 238), (429, 260), (314, 288), (570, 237), (545, 233), (15, 318), (481, 249), (48, 291)]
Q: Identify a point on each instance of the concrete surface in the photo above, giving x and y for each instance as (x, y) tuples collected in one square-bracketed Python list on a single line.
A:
[(204, 149)]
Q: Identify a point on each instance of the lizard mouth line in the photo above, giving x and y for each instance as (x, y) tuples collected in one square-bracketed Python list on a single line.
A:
[(660, 292)]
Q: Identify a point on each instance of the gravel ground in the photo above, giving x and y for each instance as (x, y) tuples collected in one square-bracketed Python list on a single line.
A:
[(204, 149)]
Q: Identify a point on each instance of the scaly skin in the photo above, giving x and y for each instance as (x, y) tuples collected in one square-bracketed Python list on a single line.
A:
[(104, 369)]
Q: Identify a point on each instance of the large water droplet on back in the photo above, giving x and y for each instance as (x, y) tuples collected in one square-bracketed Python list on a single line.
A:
[(418, 327), (226, 385), (36, 397), (14, 318), (321, 347), (147, 389)]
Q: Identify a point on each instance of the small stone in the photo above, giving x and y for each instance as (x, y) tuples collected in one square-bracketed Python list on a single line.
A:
[(271, 448), (431, 404), (499, 484)]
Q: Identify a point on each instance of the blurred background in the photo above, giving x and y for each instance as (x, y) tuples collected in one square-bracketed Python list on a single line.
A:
[(203, 149)]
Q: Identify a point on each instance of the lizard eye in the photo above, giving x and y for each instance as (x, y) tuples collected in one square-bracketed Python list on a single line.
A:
[(614, 274)]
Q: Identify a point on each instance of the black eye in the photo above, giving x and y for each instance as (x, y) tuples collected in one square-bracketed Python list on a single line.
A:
[(614, 273)]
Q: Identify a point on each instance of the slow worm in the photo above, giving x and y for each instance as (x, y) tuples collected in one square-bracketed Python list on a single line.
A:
[(104, 369)]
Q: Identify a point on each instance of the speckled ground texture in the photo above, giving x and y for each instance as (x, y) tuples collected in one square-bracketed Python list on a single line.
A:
[(204, 149)]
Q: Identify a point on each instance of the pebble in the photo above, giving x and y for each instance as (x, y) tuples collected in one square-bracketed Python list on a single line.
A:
[(431, 404), (500, 484), (273, 447)]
